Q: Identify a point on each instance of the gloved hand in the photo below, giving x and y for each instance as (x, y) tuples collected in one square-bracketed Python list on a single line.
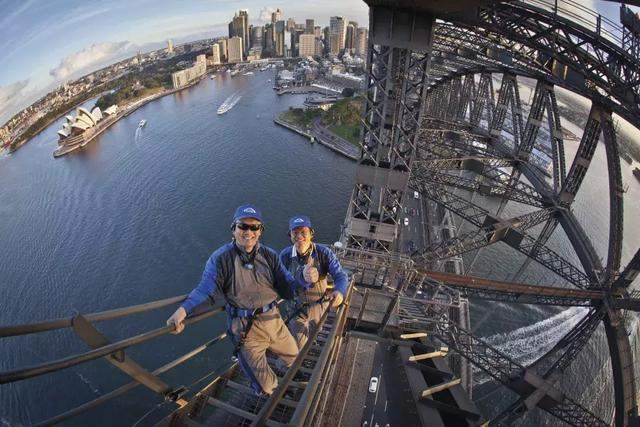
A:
[(336, 299), (310, 273), (177, 319)]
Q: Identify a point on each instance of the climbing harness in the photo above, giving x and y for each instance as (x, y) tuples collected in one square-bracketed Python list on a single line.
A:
[(250, 315)]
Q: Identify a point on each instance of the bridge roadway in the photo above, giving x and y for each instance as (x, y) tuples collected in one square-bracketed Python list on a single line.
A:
[(531, 294)]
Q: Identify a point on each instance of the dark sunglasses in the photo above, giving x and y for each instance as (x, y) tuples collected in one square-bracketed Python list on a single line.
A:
[(252, 227)]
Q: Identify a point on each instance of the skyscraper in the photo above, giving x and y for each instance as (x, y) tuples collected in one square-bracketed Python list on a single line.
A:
[(337, 34), (224, 54), (257, 37), (215, 52), (361, 41), (317, 30), (309, 27), (350, 38), (306, 45), (269, 37), (279, 39), (235, 49), (239, 26), (276, 16), (291, 24)]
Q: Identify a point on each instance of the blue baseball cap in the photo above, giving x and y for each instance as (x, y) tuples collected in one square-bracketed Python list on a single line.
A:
[(299, 221), (247, 211)]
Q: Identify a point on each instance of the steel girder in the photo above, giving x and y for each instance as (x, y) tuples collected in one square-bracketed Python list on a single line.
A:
[(493, 230), (591, 57), (515, 376), (525, 244)]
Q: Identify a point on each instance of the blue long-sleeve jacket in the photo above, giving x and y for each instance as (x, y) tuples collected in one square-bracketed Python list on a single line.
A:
[(326, 262), (219, 275)]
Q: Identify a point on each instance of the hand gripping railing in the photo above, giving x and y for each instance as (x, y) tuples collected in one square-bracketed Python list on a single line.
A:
[(114, 352)]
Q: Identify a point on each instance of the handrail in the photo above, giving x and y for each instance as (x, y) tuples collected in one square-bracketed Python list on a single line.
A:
[(50, 325), (127, 387), (67, 362)]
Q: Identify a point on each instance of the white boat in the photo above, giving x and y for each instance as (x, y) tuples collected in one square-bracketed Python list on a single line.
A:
[(212, 76), (248, 73), (228, 70), (142, 123), (229, 103), (268, 80)]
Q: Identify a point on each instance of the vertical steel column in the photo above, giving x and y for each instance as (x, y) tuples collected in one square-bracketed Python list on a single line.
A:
[(399, 50)]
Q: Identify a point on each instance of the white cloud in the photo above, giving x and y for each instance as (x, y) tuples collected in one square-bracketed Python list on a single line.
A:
[(12, 97), (91, 57), (265, 14)]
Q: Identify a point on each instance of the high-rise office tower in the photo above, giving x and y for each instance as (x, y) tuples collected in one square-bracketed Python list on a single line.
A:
[(361, 41), (239, 27), (224, 53), (291, 24), (276, 16), (235, 49), (269, 38), (295, 41), (279, 39), (215, 52), (306, 45), (317, 30), (337, 34), (309, 27), (257, 37), (326, 36), (350, 38)]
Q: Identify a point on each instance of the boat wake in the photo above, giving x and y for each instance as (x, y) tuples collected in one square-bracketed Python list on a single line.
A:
[(526, 344), (229, 103)]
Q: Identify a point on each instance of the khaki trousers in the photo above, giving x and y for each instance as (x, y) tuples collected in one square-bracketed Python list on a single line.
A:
[(268, 332), (302, 325)]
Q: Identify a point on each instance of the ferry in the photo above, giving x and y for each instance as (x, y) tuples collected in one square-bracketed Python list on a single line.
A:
[(229, 103), (212, 76), (142, 123), (248, 73), (235, 73)]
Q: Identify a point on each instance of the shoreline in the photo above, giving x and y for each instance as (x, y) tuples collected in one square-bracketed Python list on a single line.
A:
[(310, 136), (129, 110)]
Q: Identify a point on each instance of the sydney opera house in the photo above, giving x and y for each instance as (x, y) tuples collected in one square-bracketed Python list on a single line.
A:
[(79, 130)]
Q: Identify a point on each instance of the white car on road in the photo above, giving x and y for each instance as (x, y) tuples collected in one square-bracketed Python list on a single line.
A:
[(406, 222), (373, 384)]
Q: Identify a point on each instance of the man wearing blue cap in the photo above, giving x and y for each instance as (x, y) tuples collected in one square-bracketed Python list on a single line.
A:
[(251, 279), (318, 261)]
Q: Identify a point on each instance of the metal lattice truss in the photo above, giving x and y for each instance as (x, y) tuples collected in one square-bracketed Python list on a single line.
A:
[(444, 115)]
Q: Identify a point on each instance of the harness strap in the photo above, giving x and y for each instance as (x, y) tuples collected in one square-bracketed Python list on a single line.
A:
[(305, 306), (250, 315)]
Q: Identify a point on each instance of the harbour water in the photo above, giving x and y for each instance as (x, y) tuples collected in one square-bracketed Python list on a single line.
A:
[(133, 216)]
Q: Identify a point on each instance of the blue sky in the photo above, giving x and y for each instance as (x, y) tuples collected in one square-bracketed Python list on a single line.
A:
[(46, 42)]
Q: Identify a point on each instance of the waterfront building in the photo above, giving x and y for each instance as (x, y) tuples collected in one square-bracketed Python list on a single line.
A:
[(224, 54), (235, 49), (182, 78), (337, 34), (201, 59), (239, 27), (279, 39), (361, 41), (215, 54), (307, 45), (254, 54), (309, 27), (169, 46)]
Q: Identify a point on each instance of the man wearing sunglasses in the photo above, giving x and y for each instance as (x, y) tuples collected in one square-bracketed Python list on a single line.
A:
[(318, 261), (251, 279)]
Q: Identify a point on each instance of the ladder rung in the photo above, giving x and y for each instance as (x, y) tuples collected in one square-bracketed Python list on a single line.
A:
[(426, 356), (440, 387), (232, 409), (414, 335)]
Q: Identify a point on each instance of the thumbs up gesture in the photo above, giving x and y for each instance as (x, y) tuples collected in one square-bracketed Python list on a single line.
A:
[(310, 273)]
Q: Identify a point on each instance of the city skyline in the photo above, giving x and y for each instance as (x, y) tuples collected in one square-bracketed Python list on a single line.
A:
[(46, 45)]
